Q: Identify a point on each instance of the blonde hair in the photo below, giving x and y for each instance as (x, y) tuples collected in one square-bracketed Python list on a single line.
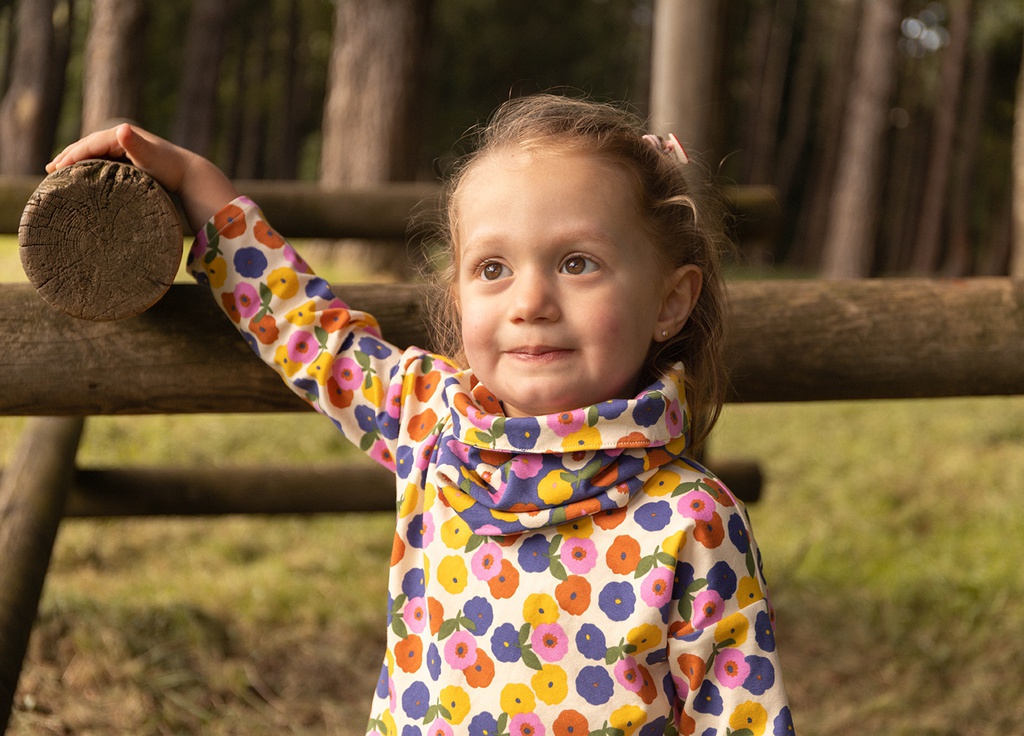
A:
[(685, 222)]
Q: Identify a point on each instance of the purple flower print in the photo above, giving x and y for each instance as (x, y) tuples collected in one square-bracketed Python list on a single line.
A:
[(505, 644), (649, 410), (414, 614), (374, 348), (579, 555), (433, 662), (654, 516), (707, 609), (404, 461), (247, 300), (413, 585), (611, 409), (783, 723), (738, 533), (460, 650), (421, 531), (722, 579), (533, 554), (522, 433), (696, 505), (595, 685), (317, 287), (567, 422), (762, 675), (388, 425), (382, 682), (655, 727), (250, 262), (656, 589), (365, 418), (591, 643), (550, 642), (486, 563), (731, 668), (479, 611), (764, 632), (708, 699), (483, 724), (416, 700), (410, 729), (617, 601)]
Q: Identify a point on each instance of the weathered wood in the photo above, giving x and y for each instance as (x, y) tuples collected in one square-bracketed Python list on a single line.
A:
[(32, 494), (100, 240), (789, 341)]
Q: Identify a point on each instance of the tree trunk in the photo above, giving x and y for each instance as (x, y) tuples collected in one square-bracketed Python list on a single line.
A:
[(23, 138), (196, 114), (849, 244), (370, 127), (112, 77), (283, 129), (1017, 226), (928, 243), (683, 41)]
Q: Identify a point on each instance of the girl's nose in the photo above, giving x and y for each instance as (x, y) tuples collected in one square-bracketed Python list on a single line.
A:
[(533, 298)]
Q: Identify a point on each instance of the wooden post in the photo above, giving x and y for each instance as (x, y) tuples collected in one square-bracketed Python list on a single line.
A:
[(100, 240), (32, 495)]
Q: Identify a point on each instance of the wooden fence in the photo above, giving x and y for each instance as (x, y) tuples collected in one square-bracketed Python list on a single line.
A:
[(788, 341)]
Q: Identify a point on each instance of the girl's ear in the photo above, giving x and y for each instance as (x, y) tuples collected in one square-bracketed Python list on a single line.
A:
[(682, 289)]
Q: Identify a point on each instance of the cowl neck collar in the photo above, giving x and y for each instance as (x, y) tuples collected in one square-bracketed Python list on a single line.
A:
[(506, 475)]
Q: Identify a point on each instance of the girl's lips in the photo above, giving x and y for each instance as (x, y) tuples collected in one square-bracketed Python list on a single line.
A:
[(539, 353)]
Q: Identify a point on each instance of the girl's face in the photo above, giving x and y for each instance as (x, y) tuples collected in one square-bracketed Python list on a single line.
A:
[(560, 289)]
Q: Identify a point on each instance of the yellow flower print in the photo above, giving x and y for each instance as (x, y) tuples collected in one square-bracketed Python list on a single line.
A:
[(732, 627), (751, 716), (456, 701), (283, 282), (627, 719), (550, 684), (644, 637), (374, 393), (554, 489), (748, 591), (662, 483), (452, 574), (288, 366), (410, 500), (320, 368), (517, 698), (582, 528), (390, 729), (585, 438), (455, 533), (302, 315), (540, 608), (216, 272), (674, 543), (429, 496), (457, 499)]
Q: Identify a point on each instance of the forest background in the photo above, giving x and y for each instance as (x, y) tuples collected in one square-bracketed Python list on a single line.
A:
[(885, 130)]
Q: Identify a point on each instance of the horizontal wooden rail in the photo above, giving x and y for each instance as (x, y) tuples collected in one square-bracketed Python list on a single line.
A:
[(387, 212), (788, 341)]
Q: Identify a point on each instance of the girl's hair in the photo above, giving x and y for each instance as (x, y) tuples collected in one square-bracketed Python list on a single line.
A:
[(684, 220)]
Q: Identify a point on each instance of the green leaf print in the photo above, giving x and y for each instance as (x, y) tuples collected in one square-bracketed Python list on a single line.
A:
[(321, 336), (447, 628)]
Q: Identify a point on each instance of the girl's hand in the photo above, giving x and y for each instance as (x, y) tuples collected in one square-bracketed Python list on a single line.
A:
[(201, 186)]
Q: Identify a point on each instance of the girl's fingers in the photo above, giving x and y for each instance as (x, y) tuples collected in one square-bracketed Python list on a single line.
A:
[(103, 144)]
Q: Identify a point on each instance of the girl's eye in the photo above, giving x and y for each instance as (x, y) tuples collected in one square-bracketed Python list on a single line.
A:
[(492, 271), (578, 265)]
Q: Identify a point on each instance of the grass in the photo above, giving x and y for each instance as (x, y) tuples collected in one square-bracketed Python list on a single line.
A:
[(892, 533)]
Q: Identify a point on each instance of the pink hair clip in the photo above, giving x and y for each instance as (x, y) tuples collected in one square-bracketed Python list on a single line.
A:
[(668, 145)]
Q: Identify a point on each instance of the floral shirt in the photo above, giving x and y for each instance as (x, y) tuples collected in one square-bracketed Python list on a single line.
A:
[(568, 574)]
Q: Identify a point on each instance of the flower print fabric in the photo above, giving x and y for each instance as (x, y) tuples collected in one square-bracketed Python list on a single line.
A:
[(550, 575)]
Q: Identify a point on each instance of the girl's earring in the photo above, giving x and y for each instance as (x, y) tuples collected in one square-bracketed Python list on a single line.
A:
[(664, 334)]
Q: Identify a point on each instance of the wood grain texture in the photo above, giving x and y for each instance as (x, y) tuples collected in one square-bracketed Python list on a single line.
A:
[(100, 240)]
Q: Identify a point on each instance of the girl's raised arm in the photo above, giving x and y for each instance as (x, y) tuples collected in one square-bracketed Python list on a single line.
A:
[(201, 186)]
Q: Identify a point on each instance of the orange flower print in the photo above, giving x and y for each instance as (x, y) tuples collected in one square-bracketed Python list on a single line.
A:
[(230, 307), (397, 550), (421, 425), (436, 612), (611, 518), (506, 582), (267, 235), (334, 319), (623, 556), (710, 533), (571, 723), (425, 385), (573, 594), (409, 653), (338, 396), (481, 672), (230, 221), (694, 668), (265, 330)]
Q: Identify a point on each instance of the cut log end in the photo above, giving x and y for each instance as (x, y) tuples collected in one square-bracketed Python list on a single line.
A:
[(100, 240)]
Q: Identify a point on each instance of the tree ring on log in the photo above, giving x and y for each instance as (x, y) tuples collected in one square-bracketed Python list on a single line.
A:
[(100, 240)]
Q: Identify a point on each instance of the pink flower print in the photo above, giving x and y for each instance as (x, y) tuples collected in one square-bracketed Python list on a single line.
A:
[(426, 530), (393, 401), (486, 563), (697, 505), (415, 615), (290, 255), (567, 422), (426, 451), (674, 419), (550, 642), (707, 609), (382, 455), (579, 555), (302, 347), (628, 674), (525, 724), (348, 374), (438, 728), (247, 300), (526, 465), (656, 590), (731, 668), (460, 650), (488, 530)]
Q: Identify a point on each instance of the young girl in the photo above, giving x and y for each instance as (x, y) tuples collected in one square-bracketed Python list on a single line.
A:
[(560, 566)]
